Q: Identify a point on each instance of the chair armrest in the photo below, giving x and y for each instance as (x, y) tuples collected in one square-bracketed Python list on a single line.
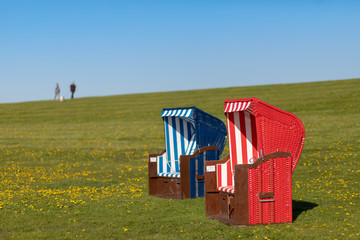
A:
[(260, 161), (267, 157), (186, 158), (157, 154), (201, 150), (212, 162)]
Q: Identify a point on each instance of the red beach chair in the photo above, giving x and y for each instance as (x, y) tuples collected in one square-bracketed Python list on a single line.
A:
[(252, 185)]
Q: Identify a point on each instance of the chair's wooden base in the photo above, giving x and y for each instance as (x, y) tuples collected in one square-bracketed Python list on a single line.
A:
[(191, 183), (250, 204), (221, 206), (166, 187), (226, 209)]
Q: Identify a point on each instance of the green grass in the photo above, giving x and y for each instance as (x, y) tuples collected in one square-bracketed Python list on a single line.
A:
[(78, 169)]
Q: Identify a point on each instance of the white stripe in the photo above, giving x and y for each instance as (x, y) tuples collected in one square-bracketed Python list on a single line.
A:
[(234, 106), (161, 160), (192, 145), (227, 107), (241, 106), (230, 143), (181, 114), (245, 106), (231, 107), (224, 174), (248, 136), (171, 140), (237, 106), (238, 145), (164, 162), (189, 113), (186, 137)]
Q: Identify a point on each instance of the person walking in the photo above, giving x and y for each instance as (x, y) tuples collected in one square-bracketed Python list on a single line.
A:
[(57, 92), (73, 88)]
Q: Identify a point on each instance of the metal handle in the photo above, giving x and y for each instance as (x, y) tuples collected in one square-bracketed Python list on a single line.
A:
[(261, 197)]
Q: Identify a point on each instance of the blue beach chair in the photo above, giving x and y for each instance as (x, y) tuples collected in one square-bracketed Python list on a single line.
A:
[(191, 137)]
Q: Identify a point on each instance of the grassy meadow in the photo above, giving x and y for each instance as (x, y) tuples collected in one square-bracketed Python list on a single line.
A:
[(78, 169)]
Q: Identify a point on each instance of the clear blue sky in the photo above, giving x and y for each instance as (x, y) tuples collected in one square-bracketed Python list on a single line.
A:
[(111, 47)]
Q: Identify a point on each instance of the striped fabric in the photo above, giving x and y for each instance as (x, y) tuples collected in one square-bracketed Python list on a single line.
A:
[(243, 143), (173, 175), (179, 140), (177, 113), (237, 106), (228, 189)]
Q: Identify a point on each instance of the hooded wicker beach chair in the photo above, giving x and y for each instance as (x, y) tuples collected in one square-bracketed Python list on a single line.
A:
[(191, 137), (253, 184)]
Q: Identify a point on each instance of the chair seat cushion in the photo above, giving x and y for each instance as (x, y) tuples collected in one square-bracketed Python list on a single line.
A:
[(169, 174), (228, 189)]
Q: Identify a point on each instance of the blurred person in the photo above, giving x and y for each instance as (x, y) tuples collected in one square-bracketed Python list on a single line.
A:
[(57, 92), (73, 88)]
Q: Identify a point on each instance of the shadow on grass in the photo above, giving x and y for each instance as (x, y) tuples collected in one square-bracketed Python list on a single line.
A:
[(301, 206)]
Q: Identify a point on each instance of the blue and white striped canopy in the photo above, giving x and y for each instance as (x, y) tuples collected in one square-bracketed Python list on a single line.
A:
[(178, 112), (208, 130)]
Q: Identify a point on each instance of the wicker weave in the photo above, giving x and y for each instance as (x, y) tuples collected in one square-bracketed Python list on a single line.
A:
[(277, 129), (261, 130)]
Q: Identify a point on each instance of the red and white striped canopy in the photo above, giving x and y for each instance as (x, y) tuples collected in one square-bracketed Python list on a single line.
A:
[(237, 106)]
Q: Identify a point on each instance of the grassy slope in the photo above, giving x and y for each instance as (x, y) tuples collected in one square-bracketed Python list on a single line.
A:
[(78, 169)]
